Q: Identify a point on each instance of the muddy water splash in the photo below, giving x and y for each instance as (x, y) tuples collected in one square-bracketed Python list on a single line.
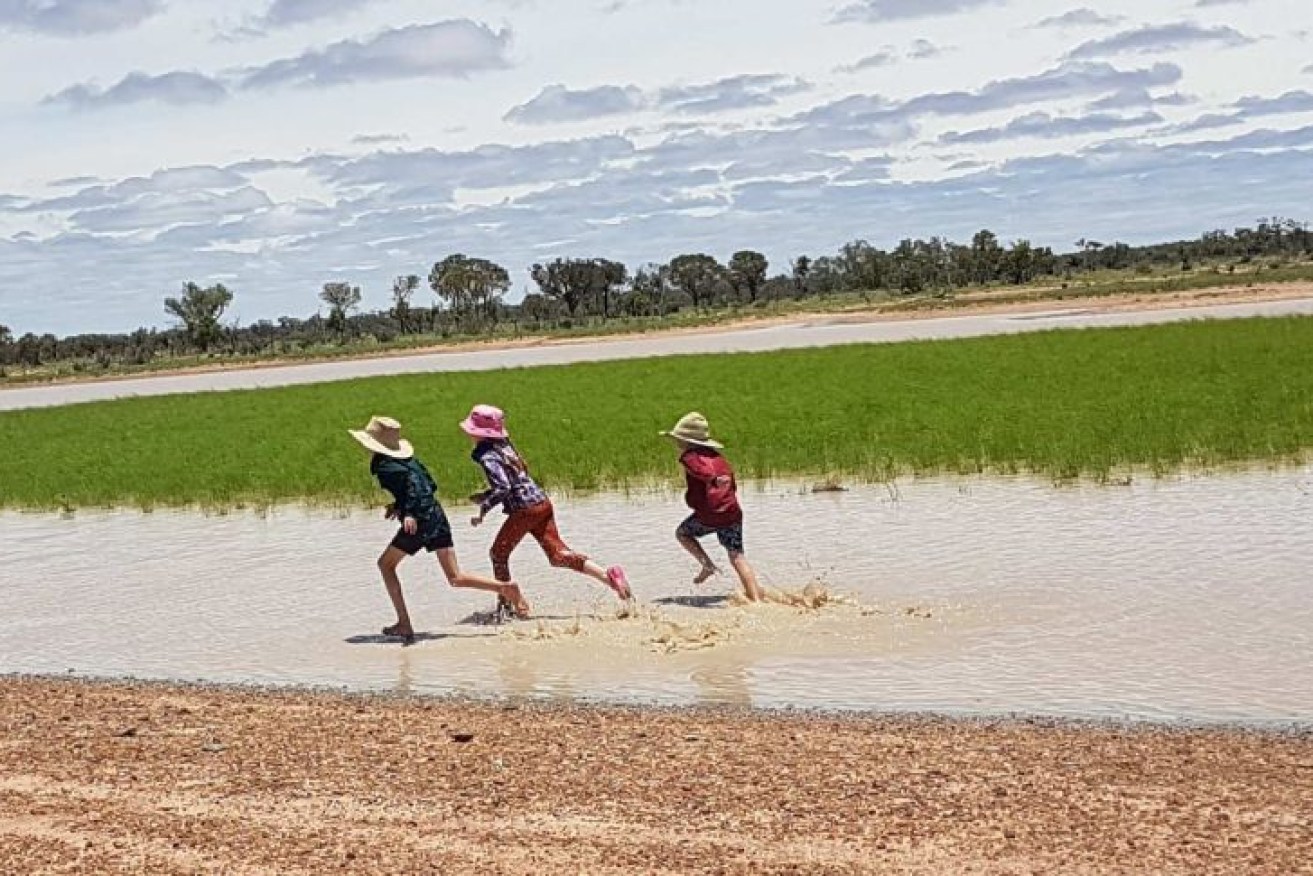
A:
[(1184, 598)]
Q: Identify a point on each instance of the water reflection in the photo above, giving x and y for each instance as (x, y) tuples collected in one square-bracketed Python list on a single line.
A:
[(1177, 598)]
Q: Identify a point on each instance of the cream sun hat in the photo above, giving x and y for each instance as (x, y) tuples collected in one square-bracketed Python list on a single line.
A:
[(383, 435), (693, 429)]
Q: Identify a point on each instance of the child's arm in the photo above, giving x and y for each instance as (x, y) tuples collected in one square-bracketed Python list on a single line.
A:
[(397, 482)]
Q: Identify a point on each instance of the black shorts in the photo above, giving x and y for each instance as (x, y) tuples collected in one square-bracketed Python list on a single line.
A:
[(730, 537), (431, 538)]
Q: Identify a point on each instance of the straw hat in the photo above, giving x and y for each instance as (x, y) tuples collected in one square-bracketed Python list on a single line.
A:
[(693, 429), (485, 421), (383, 435)]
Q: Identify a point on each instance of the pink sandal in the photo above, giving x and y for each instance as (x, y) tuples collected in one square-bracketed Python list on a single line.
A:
[(615, 577)]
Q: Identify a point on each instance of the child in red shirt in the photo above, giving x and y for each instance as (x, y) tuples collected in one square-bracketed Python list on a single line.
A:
[(712, 494)]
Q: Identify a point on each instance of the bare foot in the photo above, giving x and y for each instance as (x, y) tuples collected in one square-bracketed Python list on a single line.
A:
[(511, 593), (707, 572), (401, 631)]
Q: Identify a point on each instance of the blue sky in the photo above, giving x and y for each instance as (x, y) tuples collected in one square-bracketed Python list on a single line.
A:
[(275, 145)]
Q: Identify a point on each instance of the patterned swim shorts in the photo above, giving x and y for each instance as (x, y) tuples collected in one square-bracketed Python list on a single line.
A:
[(730, 537)]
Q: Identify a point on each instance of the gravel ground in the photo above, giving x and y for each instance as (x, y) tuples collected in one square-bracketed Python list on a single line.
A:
[(122, 778)]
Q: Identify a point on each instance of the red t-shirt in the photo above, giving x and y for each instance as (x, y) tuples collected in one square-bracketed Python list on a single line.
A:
[(714, 504)]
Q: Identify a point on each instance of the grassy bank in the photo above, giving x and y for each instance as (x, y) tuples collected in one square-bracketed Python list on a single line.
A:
[(1060, 404)]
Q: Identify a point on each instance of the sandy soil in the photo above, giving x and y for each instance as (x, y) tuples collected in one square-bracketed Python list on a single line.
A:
[(1001, 301), (162, 780)]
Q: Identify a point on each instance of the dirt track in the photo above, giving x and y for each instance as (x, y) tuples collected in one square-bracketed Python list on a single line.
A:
[(127, 779)]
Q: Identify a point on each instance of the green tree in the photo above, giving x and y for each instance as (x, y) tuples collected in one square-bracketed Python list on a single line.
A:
[(697, 276), (6, 336), (985, 259), (341, 299), (403, 288), (580, 283), (469, 287), (802, 267), (747, 272), (199, 311), (538, 308), (861, 267), (649, 291)]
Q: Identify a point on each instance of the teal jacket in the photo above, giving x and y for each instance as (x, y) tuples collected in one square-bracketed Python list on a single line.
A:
[(414, 492)]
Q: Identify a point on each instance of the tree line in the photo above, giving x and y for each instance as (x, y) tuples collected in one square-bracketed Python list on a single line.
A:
[(468, 292)]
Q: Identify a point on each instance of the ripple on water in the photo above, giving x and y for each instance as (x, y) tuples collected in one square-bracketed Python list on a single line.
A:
[(1180, 598)]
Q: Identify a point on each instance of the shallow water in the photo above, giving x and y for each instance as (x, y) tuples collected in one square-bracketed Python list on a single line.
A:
[(815, 332), (1175, 599)]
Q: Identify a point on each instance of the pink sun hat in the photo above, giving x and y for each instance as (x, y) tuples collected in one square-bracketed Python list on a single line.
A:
[(485, 421)]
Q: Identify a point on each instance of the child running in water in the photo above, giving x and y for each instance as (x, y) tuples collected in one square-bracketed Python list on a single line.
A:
[(423, 523), (713, 495), (528, 510)]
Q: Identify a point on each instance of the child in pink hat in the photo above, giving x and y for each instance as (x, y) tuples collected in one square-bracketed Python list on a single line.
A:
[(528, 509)]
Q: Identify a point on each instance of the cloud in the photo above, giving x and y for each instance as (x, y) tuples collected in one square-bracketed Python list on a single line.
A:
[(378, 139), (176, 89), (556, 104), (872, 11), (690, 192), (67, 18), (731, 93), (1083, 17), (882, 58), (1159, 38), (1066, 81), (1206, 122), (1290, 102), (453, 49), (287, 13), (1135, 98), (1206, 3), (1251, 107), (166, 210), (1045, 126), (920, 50), (923, 49)]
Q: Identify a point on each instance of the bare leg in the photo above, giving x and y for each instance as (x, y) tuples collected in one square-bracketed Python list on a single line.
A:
[(693, 547), (594, 571), (456, 578), (614, 578), (747, 577), (387, 566)]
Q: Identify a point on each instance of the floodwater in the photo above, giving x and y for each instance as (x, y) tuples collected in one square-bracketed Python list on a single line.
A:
[(817, 332), (1170, 599)]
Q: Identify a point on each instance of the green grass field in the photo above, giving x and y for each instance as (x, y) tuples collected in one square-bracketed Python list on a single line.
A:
[(1060, 404)]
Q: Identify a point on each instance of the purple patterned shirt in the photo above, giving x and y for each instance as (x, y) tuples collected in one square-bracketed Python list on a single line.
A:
[(509, 483)]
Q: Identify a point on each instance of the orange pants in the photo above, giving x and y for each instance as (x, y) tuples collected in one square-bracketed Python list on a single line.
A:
[(540, 522)]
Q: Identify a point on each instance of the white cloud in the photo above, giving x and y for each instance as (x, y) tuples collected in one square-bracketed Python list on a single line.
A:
[(874, 11), (286, 13), (1083, 17), (1044, 126), (175, 88), (76, 17), (453, 48), (1155, 39), (556, 103)]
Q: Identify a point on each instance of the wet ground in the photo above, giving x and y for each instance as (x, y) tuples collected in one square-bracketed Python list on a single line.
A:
[(1184, 598), (806, 332)]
